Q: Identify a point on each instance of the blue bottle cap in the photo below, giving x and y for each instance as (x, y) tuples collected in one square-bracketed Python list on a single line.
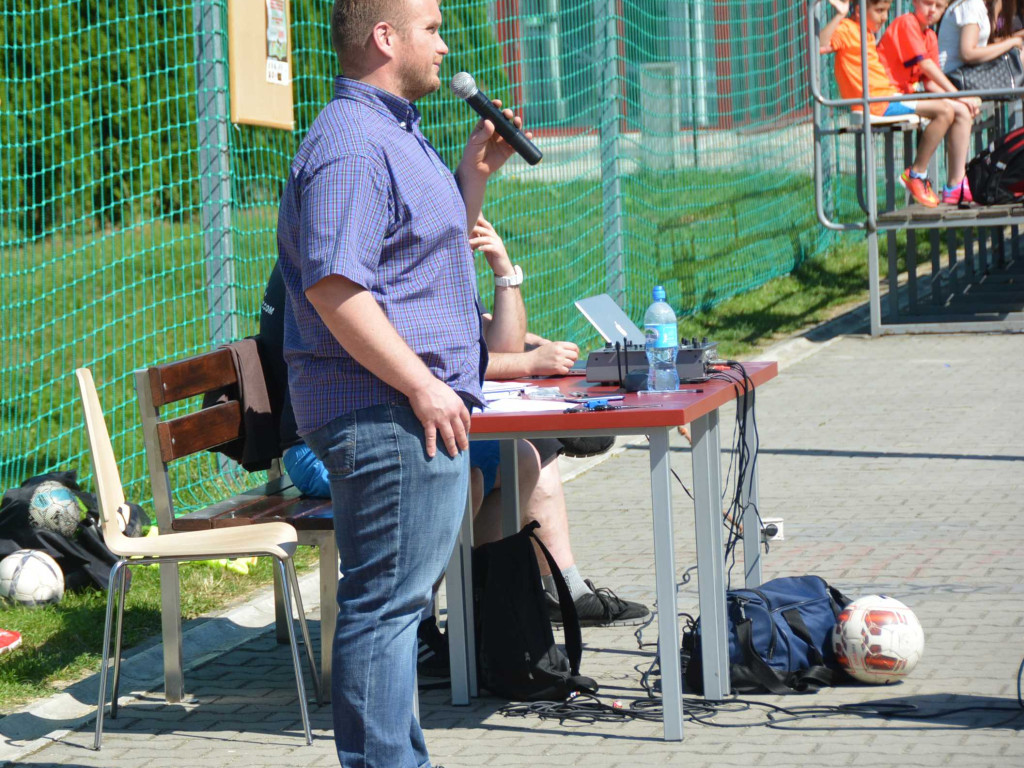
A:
[(658, 293)]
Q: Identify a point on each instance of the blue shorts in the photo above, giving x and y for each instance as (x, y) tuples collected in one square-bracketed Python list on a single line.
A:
[(485, 455), (896, 109)]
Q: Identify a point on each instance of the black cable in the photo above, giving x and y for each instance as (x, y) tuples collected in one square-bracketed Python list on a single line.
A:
[(681, 484), (741, 463), (589, 708), (1020, 672)]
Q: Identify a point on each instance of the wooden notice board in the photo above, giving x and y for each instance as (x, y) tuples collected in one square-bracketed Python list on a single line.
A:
[(260, 63)]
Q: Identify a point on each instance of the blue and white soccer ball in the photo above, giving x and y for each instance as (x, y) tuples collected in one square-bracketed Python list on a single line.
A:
[(55, 508), (31, 577)]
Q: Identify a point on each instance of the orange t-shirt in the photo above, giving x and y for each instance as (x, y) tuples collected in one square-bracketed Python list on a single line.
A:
[(903, 47), (846, 44)]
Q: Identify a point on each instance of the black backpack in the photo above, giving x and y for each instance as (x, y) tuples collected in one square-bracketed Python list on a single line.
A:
[(84, 558), (996, 175), (516, 653), (780, 638)]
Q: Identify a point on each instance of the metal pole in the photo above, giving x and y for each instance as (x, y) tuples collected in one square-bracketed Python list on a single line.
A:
[(870, 174), (554, 46), (699, 57), (212, 120), (611, 183)]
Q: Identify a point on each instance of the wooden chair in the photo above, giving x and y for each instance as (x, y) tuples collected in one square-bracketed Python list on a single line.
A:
[(277, 540), (170, 439)]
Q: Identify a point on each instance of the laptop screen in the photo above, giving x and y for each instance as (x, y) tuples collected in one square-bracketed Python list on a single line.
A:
[(610, 321)]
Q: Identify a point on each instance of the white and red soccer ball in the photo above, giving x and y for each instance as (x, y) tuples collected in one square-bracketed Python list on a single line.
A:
[(877, 639)]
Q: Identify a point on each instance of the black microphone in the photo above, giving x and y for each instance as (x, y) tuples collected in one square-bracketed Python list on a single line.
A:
[(464, 86)]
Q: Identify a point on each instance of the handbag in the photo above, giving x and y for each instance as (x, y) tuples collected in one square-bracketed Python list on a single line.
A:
[(1002, 73)]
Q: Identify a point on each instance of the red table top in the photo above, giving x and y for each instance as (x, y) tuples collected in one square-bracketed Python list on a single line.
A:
[(662, 410)]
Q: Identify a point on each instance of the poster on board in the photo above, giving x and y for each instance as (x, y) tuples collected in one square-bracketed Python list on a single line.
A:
[(260, 63), (278, 70)]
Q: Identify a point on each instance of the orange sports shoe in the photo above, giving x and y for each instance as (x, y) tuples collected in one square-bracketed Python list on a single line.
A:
[(920, 189)]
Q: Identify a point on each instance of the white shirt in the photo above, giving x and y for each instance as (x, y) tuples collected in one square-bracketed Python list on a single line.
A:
[(958, 16)]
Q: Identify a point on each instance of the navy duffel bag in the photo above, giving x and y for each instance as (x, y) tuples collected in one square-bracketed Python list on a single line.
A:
[(780, 638)]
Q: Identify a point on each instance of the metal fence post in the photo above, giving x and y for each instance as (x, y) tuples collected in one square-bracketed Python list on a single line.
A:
[(611, 183), (212, 121)]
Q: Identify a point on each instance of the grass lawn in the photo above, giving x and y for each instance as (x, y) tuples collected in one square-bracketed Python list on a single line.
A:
[(124, 299)]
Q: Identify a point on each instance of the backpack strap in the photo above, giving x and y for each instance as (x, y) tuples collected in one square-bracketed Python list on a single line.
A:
[(570, 619)]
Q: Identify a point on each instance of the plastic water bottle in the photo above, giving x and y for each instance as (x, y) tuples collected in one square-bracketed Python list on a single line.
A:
[(662, 343)]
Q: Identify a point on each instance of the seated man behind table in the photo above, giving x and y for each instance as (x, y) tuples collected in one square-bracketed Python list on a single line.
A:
[(539, 478)]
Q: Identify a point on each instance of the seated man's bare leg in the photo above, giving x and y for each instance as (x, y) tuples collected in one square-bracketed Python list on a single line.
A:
[(542, 499), (487, 518), (546, 505), (596, 607)]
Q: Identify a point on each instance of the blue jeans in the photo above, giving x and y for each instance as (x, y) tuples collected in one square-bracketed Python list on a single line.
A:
[(396, 519)]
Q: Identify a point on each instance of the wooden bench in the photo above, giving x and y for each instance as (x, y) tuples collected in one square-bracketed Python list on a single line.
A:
[(168, 440)]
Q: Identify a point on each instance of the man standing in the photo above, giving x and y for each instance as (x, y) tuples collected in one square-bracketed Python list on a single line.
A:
[(384, 351)]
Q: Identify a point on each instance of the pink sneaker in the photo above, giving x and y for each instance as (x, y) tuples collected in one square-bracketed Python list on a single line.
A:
[(9, 640), (960, 193)]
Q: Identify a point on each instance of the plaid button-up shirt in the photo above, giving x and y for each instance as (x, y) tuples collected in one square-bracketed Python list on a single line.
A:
[(369, 198)]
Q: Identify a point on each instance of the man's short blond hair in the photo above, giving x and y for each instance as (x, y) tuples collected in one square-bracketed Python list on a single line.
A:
[(353, 20)]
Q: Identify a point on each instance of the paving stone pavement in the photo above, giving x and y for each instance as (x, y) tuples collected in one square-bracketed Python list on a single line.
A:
[(897, 465)]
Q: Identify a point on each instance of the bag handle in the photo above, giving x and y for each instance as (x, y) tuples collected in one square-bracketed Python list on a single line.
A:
[(756, 667), (796, 623), (570, 618)]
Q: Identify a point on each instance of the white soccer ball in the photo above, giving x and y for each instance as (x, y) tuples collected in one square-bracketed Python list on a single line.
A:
[(878, 639), (55, 508), (31, 577)]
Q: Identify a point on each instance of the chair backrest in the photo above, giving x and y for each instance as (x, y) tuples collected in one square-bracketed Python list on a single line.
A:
[(201, 429), (104, 464), (170, 439)]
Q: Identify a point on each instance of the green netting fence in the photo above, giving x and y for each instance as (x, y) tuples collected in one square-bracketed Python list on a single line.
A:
[(137, 225)]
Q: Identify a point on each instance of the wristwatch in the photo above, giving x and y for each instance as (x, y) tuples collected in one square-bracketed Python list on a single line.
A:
[(509, 281)]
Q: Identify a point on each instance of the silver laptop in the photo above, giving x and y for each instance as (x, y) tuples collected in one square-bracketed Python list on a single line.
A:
[(610, 321)]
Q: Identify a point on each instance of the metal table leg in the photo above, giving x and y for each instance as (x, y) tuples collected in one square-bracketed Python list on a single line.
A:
[(665, 583), (707, 496), (509, 488)]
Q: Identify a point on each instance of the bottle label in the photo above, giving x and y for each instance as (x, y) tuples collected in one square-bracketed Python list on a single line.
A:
[(661, 336)]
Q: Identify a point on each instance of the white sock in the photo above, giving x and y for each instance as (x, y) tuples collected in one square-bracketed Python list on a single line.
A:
[(572, 576)]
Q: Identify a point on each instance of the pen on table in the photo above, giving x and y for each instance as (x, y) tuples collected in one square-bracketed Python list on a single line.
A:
[(660, 392)]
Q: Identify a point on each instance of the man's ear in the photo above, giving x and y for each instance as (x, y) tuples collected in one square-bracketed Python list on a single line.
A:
[(382, 38)]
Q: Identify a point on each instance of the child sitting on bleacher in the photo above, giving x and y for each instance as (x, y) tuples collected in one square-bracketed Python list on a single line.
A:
[(842, 36), (910, 50)]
